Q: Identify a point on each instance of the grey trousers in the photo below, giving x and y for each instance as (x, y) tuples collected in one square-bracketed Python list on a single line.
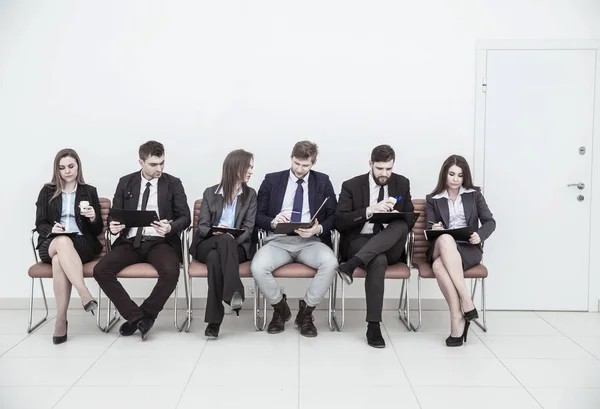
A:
[(278, 251)]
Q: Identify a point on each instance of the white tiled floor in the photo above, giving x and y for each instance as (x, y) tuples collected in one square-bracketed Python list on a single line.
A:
[(526, 360)]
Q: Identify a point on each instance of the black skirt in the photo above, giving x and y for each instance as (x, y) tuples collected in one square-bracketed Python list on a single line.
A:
[(471, 254), (83, 247)]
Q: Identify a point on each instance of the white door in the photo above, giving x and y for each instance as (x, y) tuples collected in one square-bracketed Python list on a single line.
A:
[(539, 112)]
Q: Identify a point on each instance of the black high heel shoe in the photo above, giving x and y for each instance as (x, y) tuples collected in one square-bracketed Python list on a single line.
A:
[(61, 339), (91, 306), (236, 302), (471, 315), (458, 341)]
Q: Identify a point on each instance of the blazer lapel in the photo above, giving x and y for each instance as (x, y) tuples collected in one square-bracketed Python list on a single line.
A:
[(238, 210), (162, 191), (133, 192), (218, 202), (392, 191), (280, 191), (365, 191), (312, 192), (442, 205), (468, 204)]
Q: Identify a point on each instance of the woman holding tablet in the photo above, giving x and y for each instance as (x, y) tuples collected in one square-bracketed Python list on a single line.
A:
[(230, 205), (68, 221), (455, 203)]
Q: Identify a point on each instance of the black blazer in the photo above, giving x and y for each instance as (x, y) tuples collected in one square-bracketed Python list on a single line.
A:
[(476, 210), (272, 193), (48, 211), (172, 204), (211, 211), (355, 197)]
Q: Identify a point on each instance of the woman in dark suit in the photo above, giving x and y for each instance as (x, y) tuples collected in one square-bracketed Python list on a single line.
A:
[(68, 205), (456, 203), (230, 204)]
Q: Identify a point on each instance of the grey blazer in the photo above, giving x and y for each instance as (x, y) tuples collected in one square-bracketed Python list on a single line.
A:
[(212, 209), (476, 210)]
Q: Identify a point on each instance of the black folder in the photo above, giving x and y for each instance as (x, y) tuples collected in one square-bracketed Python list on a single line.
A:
[(233, 232), (388, 217), (288, 228), (460, 235), (134, 218)]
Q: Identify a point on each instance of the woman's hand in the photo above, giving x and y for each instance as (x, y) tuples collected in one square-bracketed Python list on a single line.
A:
[(58, 228), (437, 226), (89, 212), (474, 239)]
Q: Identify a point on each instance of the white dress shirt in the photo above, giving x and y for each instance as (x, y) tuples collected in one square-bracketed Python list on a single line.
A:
[(151, 205), (288, 199), (456, 209), (374, 195)]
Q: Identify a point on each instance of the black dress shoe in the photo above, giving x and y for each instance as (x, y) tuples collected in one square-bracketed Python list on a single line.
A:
[(61, 339), (374, 337), (345, 271), (145, 325), (128, 328), (212, 330)]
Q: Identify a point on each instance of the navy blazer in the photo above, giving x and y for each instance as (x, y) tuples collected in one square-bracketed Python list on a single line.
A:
[(476, 210), (272, 193)]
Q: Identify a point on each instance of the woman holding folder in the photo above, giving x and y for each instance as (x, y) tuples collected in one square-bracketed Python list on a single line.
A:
[(68, 221), (456, 203), (230, 205)]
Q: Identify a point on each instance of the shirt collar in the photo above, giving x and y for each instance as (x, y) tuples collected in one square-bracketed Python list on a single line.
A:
[(444, 194), (153, 181), (74, 190), (295, 179), (219, 191)]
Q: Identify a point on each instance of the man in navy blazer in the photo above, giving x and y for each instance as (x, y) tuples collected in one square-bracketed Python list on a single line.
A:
[(294, 195)]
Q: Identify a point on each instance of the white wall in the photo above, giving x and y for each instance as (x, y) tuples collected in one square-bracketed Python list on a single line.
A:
[(207, 77)]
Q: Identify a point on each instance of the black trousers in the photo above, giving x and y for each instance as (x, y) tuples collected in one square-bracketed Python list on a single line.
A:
[(377, 252), (222, 256), (157, 252)]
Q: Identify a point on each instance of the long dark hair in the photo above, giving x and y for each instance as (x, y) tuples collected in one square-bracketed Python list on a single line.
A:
[(448, 163), (57, 182), (235, 166)]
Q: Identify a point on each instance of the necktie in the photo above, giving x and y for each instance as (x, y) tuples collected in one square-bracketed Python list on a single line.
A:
[(138, 235), (297, 209), (377, 227)]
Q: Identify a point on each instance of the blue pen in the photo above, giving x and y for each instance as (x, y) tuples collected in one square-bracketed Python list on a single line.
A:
[(399, 198)]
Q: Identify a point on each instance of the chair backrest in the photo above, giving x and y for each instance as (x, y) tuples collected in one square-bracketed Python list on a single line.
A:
[(104, 209), (420, 242), (197, 205)]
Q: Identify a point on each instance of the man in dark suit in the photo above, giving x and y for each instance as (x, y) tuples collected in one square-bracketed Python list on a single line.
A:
[(159, 244), (294, 195), (373, 246)]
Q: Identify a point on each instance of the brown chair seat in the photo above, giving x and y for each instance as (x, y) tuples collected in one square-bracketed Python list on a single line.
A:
[(425, 270), (43, 270), (294, 270), (199, 270), (138, 270), (398, 271)]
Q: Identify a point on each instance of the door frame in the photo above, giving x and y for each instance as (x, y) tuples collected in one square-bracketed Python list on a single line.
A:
[(482, 46)]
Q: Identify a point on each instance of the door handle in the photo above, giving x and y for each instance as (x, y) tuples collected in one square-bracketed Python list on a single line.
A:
[(579, 185)]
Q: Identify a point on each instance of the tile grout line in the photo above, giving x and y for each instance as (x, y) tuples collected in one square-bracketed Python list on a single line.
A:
[(402, 366), (86, 371), (575, 342), (509, 371), (26, 337), (299, 340), (191, 374)]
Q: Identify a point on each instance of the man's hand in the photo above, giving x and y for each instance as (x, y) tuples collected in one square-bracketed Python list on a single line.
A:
[(311, 231), (280, 218), (116, 227), (384, 206), (162, 227)]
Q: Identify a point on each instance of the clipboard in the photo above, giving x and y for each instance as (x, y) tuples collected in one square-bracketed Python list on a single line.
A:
[(62, 233), (288, 228), (460, 235), (234, 232), (387, 217), (134, 218)]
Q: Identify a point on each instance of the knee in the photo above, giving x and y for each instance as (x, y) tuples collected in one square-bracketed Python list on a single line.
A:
[(258, 268), (62, 242), (328, 262), (445, 242), (225, 238), (437, 266), (379, 264)]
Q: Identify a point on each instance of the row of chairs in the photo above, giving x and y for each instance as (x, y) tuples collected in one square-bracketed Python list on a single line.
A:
[(416, 246)]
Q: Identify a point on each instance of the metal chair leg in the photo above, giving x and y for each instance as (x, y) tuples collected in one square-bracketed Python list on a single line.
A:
[(186, 322), (335, 321), (30, 327), (110, 322), (404, 311), (260, 320), (482, 325), (419, 306)]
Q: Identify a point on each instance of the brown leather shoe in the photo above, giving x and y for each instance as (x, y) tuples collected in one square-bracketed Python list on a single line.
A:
[(281, 315), (304, 320)]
